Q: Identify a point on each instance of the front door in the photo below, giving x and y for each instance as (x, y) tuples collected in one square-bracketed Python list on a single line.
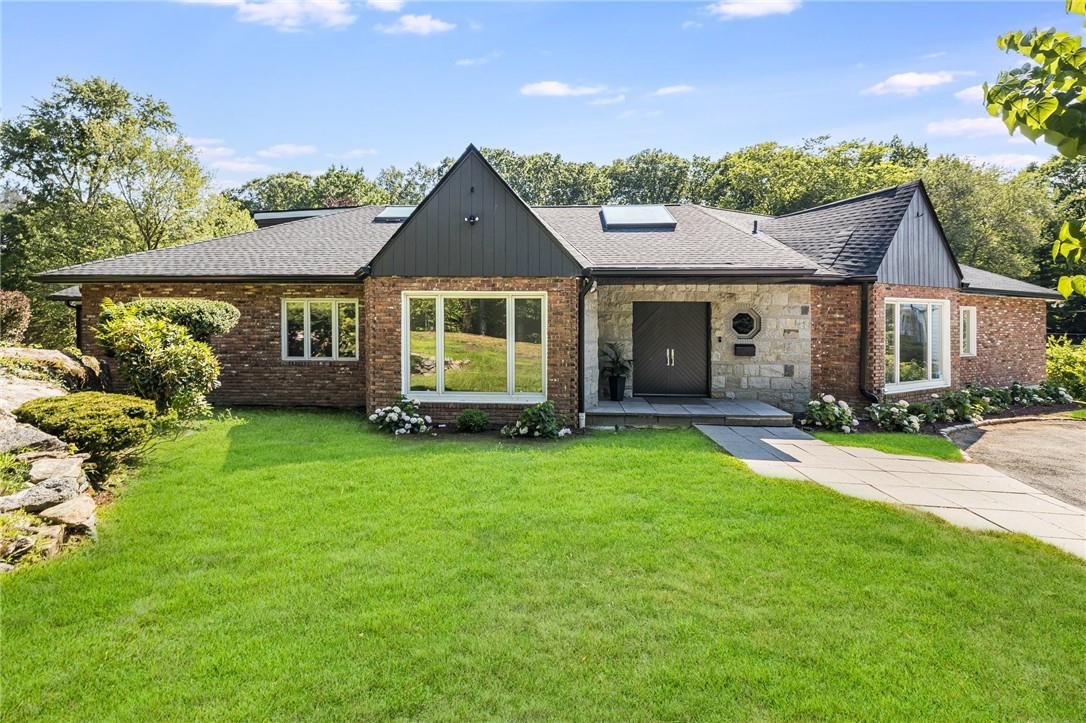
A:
[(671, 348)]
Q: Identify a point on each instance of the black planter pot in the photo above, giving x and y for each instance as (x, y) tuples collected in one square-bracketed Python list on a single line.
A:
[(617, 386)]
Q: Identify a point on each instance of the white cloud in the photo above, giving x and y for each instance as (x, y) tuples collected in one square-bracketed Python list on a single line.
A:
[(972, 94), (1012, 161), (286, 150), (241, 165), (289, 15), (690, 25), (223, 158), (609, 100), (673, 89), (912, 83), (629, 114), (417, 25), (967, 127), (557, 88), (197, 142), (933, 56), (385, 6), (731, 9), (481, 60)]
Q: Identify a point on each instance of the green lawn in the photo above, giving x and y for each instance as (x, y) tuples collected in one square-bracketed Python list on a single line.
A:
[(924, 445), (294, 565), (1079, 414)]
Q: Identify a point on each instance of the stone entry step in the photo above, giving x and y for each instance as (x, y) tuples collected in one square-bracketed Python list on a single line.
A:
[(969, 495), (639, 412)]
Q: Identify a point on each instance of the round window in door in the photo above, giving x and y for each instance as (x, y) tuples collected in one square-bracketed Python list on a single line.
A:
[(746, 324)]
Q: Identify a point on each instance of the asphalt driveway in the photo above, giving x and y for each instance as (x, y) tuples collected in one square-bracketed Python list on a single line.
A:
[(1050, 455)]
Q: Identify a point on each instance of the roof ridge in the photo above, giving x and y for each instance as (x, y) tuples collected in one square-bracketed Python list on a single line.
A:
[(914, 182), (732, 210)]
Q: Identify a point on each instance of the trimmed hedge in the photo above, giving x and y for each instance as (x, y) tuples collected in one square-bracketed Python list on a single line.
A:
[(106, 426), (202, 318)]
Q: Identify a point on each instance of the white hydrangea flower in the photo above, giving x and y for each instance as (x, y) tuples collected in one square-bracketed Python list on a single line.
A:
[(903, 404), (392, 417), (828, 398), (842, 404), (428, 420)]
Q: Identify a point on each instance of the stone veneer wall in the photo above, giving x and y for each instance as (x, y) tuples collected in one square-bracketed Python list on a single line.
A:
[(779, 373), (253, 371), (384, 348), (591, 349), (1010, 341)]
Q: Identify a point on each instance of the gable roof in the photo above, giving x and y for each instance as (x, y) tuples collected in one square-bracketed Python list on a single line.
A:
[(979, 281), (849, 236)]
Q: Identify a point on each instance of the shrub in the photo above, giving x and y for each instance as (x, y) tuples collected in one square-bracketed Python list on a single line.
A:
[(403, 417), (108, 427), (1065, 364), (14, 316), (833, 414), (894, 417), (538, 420), (202, 318), (473, 420), (160, 360)]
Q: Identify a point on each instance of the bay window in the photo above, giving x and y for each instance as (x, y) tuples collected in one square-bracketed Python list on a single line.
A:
[(917, 344), (491, 346), (319, 329)]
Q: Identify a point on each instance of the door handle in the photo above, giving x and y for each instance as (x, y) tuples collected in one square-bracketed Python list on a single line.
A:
[(672, 357)]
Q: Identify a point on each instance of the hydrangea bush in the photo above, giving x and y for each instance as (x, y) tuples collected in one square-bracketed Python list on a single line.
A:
[(403, 417), (538, 420), (894, 417), (830, 413)]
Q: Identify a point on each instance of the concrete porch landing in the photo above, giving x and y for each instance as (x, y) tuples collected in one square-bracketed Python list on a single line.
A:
[(970, 495), (638, 412)]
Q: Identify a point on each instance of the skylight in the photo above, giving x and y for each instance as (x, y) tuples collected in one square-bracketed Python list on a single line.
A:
[(395, 213), (636, 217)]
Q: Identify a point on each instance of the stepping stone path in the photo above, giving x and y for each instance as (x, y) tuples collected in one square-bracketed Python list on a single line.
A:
[(966, 494)]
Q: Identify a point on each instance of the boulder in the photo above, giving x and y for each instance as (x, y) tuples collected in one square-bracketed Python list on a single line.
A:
[(16, 547), (42, 495), (52, 537), (23, 436), (67, 466), (78, 512), (6, 567)]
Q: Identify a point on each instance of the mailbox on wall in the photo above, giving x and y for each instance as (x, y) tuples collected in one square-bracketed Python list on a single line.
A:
[(744, 350)]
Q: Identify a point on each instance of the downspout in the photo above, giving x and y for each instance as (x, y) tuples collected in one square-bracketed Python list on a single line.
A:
[(865, 314), (586, 286), (78, 308)]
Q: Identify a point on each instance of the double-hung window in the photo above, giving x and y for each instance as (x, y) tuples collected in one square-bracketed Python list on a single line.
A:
[(967, 328), (320, 329), (917, 344), (475, 346)]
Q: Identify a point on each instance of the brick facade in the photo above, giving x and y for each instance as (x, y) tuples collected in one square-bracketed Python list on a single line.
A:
[(253, 371), (383, 318), (1010, 341), (835, 341)]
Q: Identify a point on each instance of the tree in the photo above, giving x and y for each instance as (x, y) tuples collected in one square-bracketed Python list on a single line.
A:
[(409, 187), (650, 176), (1066, 180), (96, 171), (544, 179), (1045, 99), (991, 222), (338, 186)]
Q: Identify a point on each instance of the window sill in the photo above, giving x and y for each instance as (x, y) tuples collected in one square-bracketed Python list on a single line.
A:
[(902, 387), (967, 356), (475, 398), (318, 360)]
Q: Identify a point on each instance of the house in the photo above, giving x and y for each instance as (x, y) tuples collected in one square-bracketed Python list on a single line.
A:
[(860, 298)]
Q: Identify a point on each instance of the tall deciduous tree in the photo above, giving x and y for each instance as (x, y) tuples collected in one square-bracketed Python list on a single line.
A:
[(97, 171), (338, 186), (1046, 98)]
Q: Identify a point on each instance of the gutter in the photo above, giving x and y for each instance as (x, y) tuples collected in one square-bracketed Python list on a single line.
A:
[(1051, 296), (699, 271), (865, 314), (137, 279)]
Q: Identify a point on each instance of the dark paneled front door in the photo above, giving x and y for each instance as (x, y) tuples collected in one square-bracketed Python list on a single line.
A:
[(671, 348)]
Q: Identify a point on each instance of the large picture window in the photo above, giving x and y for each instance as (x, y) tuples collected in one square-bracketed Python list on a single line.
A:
[(917, 344), (320, 329), (490, 346)]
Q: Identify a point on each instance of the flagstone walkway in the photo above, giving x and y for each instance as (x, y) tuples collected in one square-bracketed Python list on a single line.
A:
[(966, 494)]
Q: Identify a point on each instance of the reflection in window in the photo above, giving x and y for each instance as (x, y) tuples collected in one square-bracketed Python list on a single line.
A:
[(320, 329), (916, 337), (487, 344), (422, 349)]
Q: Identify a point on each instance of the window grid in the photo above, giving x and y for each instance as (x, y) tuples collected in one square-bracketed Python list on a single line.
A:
[(306, 327)]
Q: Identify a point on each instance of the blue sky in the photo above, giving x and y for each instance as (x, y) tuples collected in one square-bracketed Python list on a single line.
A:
[(300, 84)]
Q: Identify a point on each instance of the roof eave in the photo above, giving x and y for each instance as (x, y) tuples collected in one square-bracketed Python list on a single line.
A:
[(699, 271), (48, 278), (1044, 295)]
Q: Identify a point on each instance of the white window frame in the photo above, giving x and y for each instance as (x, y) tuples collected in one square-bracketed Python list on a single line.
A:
[(510, 396), (970, 311), (944, 310), (335, 329)]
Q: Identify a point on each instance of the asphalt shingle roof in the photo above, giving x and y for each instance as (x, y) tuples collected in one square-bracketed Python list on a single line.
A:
[(975, 279), (849, 236)]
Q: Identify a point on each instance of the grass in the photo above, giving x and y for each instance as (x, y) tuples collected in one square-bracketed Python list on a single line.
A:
[(923, 445), (293, 565), (1079, 414)]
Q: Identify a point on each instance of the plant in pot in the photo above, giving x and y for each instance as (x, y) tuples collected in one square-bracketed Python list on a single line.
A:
[(616, 366)]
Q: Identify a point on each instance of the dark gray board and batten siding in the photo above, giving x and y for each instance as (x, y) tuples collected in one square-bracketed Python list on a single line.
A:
[(507, 240), (918, 254)]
